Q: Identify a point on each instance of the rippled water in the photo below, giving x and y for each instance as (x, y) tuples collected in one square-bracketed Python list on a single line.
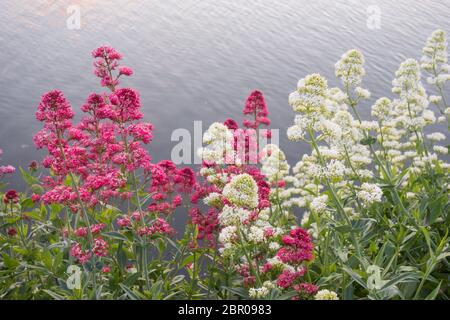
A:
[(194, 59)]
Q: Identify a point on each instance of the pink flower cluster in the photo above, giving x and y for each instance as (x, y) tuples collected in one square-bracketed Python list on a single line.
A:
[(78, 253), (105, 147), (106, 161), (82, 232), (11, 197), (107, 60), (256, 106), (159, 226), (100, 249), (4, 170), (297, 247)]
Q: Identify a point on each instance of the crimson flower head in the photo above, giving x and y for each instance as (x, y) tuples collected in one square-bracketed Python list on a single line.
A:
[(11, 232), (126, 71), (231, 124), (107, 60), (11, 196), (127, 104), (33, 166), (55, 110), (107, 53), (256, 106)]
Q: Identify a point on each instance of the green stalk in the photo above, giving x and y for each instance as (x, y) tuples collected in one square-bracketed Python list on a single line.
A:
[(335, 197)]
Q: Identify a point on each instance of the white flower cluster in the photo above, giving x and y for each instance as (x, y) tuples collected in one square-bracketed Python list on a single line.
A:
[(233, 215), (258, 293), (370, 193), (242, 191), (274, 164), (261, 293), (228, 236), (218, 140), (214, 199), (310, 98), (326, 295), (350, 69), (435, 58), (319, 204), (435, 62), (322, 114), (242, 194)]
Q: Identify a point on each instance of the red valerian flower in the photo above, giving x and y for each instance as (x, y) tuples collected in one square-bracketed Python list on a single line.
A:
[(77, 252), (256, 105), (297, 247), (125, 71), (11, 232), (106, 269), (4, 170), (100, 247), (11, 196)]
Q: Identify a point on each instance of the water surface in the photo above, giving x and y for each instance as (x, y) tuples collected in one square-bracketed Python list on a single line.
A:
[(197, 60)]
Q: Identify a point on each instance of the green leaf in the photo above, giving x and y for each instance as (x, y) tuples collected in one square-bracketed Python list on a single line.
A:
[(133, 295), (404, 277), (434, 293), (9, 262), (130, 281), (287, 295), (28, 178), (177, 279), (54, 295), (115, 235), (240, 292), (356, 277)]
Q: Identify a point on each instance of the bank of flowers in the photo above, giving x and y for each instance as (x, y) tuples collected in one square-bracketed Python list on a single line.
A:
[(363, 214)]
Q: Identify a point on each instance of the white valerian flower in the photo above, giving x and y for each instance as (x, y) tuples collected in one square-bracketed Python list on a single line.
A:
[(336, 169), (436, 136), (218, 140), (258, 293), (242, 191), (319, 204), (382, 109), (274, 246), (362, 93), (310, 98), (435, 55), (370, 193), (295, 133), (233, 215), (256, 234), (329, 129), (326, 295), (435, 99), (228, 234), (428, 116), (274, 164), (440, 149), (214, 199), (350, 69)]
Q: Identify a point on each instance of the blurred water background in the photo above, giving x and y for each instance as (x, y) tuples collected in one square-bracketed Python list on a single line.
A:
[(198, 59)]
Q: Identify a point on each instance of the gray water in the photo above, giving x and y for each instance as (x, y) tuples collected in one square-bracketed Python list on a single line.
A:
[(194, 59)]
